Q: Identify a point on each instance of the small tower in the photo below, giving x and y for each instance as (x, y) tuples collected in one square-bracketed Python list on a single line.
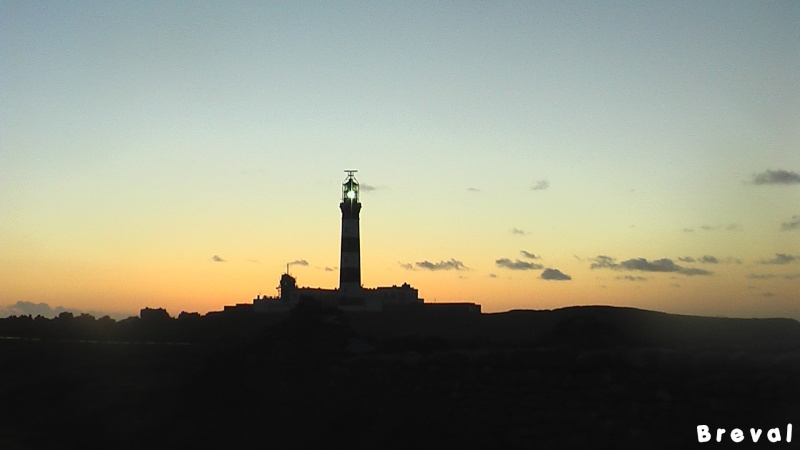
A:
[(350, 263)]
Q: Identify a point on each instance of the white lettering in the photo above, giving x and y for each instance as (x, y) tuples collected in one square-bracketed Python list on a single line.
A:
[(738, 435), (702, 433)]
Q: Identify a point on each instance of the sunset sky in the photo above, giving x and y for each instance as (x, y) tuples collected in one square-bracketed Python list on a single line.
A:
[(516, 154)]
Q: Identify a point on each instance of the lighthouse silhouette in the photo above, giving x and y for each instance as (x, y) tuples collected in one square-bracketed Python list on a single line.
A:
[(350, 263)]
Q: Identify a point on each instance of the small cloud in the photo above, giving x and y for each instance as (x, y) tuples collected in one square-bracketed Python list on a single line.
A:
[(554, 274), (761, 276), (492, 275), (691, 271), (516, 265), (330, 269), (368, 187), (529, 255), (768, 294), (780, 258), (517, 231), (688, 230), (771, 276), (216, 258), (407, 266), (452, 264), (472, 189), (792, 224), (642, 264), (776, 177), (577, 257), (632, 278), (24, 308), (604, 262), (660, 265), (675, 285), (728, 227), (298, 262), (708, 259), (540, 185)]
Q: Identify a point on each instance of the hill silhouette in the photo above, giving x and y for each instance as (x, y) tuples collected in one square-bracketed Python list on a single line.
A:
[(594, 377)]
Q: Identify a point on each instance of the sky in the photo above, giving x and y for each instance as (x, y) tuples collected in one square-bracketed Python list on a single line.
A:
[(521, 155)]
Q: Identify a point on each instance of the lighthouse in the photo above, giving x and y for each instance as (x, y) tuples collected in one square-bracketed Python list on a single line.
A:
[(351, 296), (350, 263)]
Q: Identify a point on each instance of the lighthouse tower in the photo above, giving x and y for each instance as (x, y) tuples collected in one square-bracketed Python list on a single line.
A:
[(350, 264)]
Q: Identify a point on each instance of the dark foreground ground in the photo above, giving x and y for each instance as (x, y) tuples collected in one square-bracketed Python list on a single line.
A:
[(590, 378)]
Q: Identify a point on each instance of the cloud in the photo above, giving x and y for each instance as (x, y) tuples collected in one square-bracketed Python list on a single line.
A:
[(780, 258), (708, 259), (330, 269), (517, 265), (768, 294), (23, 308), (298, 262), (540, 185), (792, 224), (452, 264), (771, 276), (691, 271), (472, 189), (554, 274), (518, 231), (492, 275), (776, 177), (368, 187), (407, 266), (643, 265), (529, 255), (216, 258), (660, 265), (603, 262), (728, 227), (657, 265), (632, 278), (762, 276)]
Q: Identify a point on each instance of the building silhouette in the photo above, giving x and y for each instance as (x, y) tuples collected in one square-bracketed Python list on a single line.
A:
[(351, 296)]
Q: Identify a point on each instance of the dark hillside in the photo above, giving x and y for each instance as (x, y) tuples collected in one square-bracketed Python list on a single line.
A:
[(584, 377)]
